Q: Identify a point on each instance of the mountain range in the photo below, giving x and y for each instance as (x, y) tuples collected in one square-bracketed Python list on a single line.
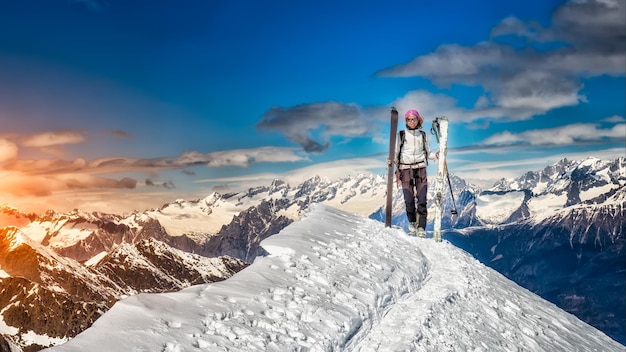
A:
[(558, 232), (60, 271), (71, 267), (338, 281)]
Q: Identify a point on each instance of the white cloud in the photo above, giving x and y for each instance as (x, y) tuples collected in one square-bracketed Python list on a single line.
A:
[(538, 91), (241, 157), (516, 85), (614, 119), (451, 62), (244, 158), (332, 170), (519, 83), (46, 181), (337, 169), (48, 139), (514, 26), (8, 150), (586, 64), (592, 24), (107, 165), (304, 124), (558, 136)]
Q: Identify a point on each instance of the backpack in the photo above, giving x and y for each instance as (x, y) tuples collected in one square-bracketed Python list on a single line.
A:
[(423, 145)]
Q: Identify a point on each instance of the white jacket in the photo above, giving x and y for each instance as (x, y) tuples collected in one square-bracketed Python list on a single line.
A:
[(412, 153)]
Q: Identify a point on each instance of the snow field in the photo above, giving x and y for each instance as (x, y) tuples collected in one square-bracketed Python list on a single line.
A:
[(340, 290), (465, 306), (495, 209)]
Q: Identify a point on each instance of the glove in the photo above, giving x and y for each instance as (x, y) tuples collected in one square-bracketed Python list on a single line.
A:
[(398, 178)]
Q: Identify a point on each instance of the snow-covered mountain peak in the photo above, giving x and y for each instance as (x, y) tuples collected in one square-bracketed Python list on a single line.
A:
[(7, 209), (205, 204), (52, 215), (619, 198), (278, 185), (362, 193), (594, 163), (81, 235), (558, 186), (12, 238), (589, 172), (212, 198), (536, 181)]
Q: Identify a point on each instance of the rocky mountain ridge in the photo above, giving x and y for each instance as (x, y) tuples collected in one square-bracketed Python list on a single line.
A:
[(538, 194), (99, 257), (47, 298)]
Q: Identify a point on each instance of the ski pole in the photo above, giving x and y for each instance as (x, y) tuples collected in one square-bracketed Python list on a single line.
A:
[(453, 211)]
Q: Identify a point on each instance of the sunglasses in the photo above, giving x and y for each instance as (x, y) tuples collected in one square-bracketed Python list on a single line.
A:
[(411, 120)]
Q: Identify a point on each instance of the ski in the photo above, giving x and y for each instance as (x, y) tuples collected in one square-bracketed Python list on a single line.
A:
[(440, 129), (390, 161)]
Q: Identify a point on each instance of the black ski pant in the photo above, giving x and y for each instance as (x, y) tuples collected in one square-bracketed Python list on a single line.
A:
[(414, 189)]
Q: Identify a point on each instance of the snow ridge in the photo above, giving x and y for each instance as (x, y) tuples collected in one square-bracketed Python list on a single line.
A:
[(336, 281)]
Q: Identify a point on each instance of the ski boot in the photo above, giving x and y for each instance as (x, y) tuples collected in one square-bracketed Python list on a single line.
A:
[(412, 229), (421, 232)]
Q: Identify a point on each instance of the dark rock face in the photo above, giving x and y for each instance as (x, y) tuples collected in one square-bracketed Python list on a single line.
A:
[(162, 268), (108, 234), (52, 295), (46, 293), (44, 311), (242, 237), (4, 345)]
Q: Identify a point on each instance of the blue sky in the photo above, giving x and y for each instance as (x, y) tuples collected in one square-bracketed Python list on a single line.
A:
[(119, 105)]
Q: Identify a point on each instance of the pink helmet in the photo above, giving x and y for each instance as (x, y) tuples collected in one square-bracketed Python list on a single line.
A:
[(415, 114)]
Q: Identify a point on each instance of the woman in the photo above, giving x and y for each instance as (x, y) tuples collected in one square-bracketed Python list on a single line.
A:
[(412, 160)]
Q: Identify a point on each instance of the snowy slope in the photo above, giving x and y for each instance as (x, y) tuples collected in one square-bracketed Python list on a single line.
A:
[(573, 257), (336, 281)]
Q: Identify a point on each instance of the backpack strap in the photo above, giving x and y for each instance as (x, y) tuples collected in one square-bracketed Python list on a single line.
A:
[(401, 144), (424, 146)]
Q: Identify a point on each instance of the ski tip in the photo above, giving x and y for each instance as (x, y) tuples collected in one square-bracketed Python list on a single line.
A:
[(393, 108)]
